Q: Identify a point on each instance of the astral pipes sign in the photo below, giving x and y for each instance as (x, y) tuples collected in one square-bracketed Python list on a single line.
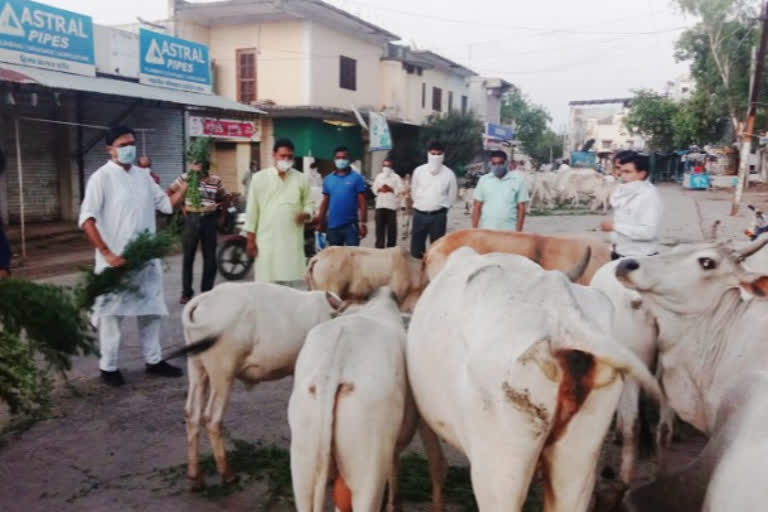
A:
[(33, 34), (166, 61)]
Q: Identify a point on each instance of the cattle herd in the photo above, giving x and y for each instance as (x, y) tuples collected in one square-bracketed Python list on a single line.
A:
[(520, 350)]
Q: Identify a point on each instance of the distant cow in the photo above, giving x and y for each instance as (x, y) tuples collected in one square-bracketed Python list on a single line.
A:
[(552, 252), (354, 273)]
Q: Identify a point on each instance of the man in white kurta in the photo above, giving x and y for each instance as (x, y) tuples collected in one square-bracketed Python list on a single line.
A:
[(119, 204), (279, 204)]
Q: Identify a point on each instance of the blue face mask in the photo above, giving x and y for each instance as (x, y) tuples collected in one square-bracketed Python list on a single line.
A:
[(341, 163), (126, 155), (499, 170)]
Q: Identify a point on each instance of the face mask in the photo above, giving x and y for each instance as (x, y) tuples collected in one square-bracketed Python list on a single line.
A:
[(435, 162), (499, 170), (126, 155), (284, 165), (341, 163), (387, 170)]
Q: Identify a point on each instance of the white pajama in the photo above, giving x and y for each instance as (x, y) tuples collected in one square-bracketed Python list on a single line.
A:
[(109, 339)]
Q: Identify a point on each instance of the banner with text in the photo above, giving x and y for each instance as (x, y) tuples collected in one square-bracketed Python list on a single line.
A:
[(33, 34), (174, 63), (223, 128)]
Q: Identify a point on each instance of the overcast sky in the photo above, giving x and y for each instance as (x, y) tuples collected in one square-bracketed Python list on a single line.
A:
[(554, 50)]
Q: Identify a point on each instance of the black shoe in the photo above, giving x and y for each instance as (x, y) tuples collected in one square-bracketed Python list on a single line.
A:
[(114, 379), (163, 369)]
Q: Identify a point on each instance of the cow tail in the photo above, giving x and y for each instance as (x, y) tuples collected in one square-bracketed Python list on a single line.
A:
[(193, 347), (325, 454), (308, 274)]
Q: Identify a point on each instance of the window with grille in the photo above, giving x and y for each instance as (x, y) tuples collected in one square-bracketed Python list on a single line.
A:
[(347, 73), (246, 76), (450, 101), (464, 104), (423, 95), (437, 99)]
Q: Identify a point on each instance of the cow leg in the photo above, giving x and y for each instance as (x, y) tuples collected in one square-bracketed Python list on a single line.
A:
[(569, 463), (407, 431), (437, 467), (664, 433), (220, 388), (628, 412), (193, 412)]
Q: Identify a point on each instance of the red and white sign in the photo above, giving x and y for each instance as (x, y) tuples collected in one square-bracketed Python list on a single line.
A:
[(223, 128)]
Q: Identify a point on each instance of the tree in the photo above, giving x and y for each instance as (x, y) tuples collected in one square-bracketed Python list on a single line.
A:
[(532, 125), (461, 134), (652, 116), (719, 48)]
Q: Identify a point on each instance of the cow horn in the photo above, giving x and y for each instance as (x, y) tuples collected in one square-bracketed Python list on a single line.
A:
[(713, 233), (751, 249), (575, 273)]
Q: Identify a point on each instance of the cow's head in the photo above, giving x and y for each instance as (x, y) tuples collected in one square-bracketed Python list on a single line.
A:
[(690, 279)]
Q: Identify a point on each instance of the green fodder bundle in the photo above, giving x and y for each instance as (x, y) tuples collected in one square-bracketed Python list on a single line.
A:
[(114, 280)]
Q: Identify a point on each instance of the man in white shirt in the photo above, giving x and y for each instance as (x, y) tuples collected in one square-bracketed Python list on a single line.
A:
[(637, 209), (119, 204), (433, 189), (387, 186)]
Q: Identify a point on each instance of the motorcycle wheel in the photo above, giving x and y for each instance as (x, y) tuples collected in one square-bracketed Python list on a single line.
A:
[(233, 262)]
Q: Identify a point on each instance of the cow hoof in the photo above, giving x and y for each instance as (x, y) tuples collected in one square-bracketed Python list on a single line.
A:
[(196, 483), (229, 478)]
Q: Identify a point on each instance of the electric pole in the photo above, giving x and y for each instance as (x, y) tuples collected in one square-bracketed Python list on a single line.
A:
[(749, 124)]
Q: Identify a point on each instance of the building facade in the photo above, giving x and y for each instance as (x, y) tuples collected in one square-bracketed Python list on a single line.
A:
[(603, 121)]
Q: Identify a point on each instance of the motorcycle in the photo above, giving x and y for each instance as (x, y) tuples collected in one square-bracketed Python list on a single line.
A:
[(232, 260), (759, 224), (226, 214)]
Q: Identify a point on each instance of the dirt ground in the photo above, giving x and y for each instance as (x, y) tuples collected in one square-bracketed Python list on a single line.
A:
[(124, 449)]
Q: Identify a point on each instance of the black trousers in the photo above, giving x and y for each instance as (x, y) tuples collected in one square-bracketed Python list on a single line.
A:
[(199, 230), (386, 228), (427, 224)]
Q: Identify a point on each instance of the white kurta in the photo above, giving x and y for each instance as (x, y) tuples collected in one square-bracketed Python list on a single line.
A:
[(123, 204)]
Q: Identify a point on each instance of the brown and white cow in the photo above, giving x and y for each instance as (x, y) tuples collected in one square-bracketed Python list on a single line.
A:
[(354, 273), (552, 252)]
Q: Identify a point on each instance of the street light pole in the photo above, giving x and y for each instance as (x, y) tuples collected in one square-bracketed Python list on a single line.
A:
[(749, 125)]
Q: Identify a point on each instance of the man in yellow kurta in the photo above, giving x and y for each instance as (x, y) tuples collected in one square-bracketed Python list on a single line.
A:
[(279, 205)]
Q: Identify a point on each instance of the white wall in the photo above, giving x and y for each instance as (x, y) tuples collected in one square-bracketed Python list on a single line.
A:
[(326, 47)]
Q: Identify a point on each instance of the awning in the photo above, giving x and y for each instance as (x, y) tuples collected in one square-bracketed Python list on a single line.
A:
[(101, 85)]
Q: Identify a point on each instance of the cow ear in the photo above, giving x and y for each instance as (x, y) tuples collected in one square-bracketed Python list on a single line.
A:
[(755, 284), (333, 300)]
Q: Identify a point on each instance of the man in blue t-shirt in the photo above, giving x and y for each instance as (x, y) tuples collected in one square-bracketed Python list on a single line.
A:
[(343, 197)]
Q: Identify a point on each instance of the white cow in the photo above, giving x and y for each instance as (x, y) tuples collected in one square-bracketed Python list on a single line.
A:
[(635, 328), (350, 411), (249, 331), (512, 365), (711, 342), (577, 183)]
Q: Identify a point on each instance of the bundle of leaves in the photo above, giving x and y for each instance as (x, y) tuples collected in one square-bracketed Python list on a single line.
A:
[(193, 192), (115, 280), (42, 328)]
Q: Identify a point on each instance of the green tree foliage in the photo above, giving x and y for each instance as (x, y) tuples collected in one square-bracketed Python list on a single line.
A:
[(651, 116), (461, 134), (719, 49), (41, 329), (532, 126)]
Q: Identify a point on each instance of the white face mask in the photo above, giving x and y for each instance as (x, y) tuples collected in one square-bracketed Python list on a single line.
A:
[(435, 162), (387, 171), (284, 165)]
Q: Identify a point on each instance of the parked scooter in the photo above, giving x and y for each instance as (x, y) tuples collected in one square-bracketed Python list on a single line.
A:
[(759, 224)]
